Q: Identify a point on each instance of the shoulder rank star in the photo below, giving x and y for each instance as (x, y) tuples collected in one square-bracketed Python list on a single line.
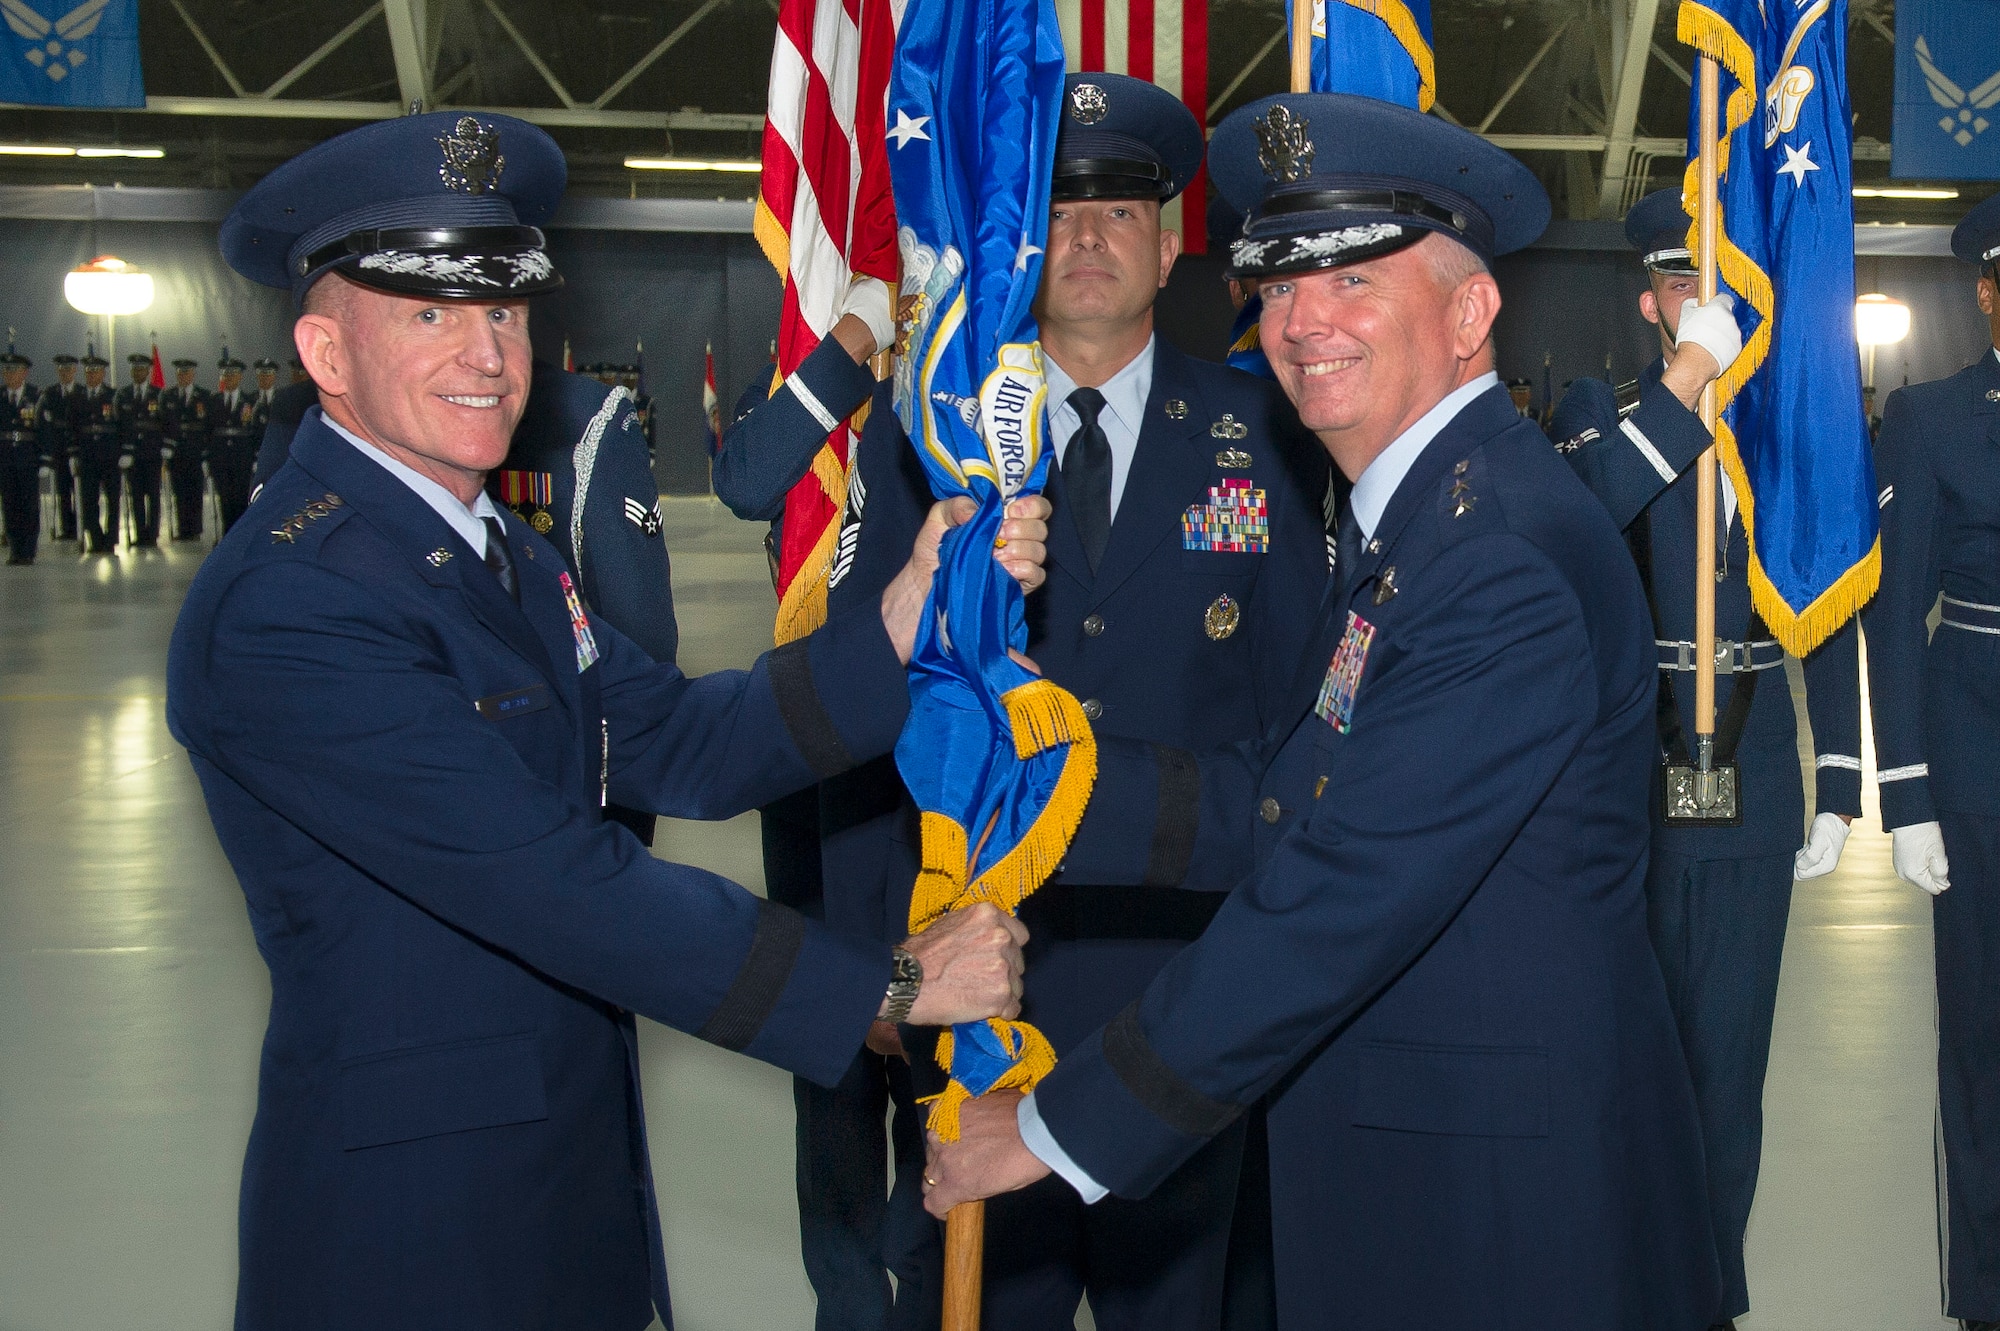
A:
[(288, 533), (1461, 493), (647, 520)]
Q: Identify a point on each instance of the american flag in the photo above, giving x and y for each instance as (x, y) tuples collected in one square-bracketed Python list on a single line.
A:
[(711, 405), (1164, 42), (824, 213)]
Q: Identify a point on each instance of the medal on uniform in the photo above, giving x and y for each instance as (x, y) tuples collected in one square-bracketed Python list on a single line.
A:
[(529, 494), (1236, 518), (579, 624), (1343, 675), (1221, 617)]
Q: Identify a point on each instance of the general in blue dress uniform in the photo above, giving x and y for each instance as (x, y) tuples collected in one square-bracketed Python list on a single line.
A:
[(1187, 557), (1717, 897), (24, 457), (1936, 701), (1435, 959), (406, 725)]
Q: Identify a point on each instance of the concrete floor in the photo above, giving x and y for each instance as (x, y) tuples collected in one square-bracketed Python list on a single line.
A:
[(132, 1001)]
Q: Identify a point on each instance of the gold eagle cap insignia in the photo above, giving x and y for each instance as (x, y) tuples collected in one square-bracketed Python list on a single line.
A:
[(472, 160)]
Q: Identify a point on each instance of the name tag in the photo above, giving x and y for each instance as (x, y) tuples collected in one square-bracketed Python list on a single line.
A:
[(520, 702)]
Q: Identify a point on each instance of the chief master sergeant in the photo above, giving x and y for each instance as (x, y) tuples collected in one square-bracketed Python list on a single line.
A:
[(406, 727)]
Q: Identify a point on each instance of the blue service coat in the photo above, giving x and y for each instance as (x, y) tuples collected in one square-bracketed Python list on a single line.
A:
[(1437, 964), (770, 444), (406, 770), (1608, 448), (1936, 698)]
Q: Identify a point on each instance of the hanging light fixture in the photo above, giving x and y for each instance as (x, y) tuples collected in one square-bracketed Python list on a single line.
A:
[(1878, 322), (108, 286)]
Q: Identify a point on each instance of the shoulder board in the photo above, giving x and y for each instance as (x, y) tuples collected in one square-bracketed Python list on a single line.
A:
[(1628, 394)]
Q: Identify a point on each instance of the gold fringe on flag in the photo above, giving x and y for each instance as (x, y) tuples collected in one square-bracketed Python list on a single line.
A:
[(1034, 1059), (1401, 22)]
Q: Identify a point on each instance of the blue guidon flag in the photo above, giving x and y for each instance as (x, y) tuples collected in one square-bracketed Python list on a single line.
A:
[(999, 761), (1790, 430), (1374, 48), (71, 53)]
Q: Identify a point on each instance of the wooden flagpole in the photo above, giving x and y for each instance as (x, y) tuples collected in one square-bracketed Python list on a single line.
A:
[(1302, 45), (1706, 790)]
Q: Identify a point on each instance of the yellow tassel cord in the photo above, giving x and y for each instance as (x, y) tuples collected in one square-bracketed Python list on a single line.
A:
[(802, 608), (1798, 631), (1036, 1059), (772, 238), (1401, 22)]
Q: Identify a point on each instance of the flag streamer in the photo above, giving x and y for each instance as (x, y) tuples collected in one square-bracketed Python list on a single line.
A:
[(1789, 426), (999, 761)]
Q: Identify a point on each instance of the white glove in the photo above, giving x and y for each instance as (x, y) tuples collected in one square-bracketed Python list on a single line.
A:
[(867, 299), (1712, 327), (124, 462), (1919, 857), (47, 471), (1824, 840), (166, 455)]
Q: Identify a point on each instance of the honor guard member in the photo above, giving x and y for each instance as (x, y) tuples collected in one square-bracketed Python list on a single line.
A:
[(102, 457), (24, 457), (1187, 558), (1436, 960), (58, 416), (267, 380), (628, 379), (183, 412), (299, 375), (1936, 700), (1718, 889), (234, 433), (144, 429), (406, 725)]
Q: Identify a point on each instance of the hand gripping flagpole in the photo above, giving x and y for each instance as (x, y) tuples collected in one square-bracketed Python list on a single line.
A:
[(1707, 792)]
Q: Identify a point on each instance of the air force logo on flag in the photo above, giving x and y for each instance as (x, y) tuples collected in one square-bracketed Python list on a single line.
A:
[(66, 54), (1947, 90)]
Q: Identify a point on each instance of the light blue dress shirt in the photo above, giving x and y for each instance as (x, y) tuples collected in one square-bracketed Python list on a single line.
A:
[(1125, 395), (467, 522)]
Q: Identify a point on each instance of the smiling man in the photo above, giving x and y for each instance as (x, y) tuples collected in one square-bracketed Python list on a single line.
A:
[(407, 727), (1435, 961)]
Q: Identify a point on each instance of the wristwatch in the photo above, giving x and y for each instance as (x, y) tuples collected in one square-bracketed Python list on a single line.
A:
[(904, 982)]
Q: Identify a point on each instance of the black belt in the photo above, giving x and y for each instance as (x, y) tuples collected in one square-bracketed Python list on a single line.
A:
[(1067, 913)]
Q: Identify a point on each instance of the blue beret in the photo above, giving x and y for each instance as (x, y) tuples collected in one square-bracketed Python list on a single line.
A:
[(1976, 239), (444, 205), (1328, 178), (1657, 227), (1123, 138)]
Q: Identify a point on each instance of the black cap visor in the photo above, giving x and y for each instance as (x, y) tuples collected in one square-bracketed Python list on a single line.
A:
[(1300, 230), (1110, 178), (454, 263)]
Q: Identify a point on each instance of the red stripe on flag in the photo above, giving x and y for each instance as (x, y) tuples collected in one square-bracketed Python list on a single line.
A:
[(1091, 26), (1139, 38), (1194, 92)]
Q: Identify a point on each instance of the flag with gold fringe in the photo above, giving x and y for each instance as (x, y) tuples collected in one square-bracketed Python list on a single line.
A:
[(1790, 429), (1374, 48), (999, 761), (824, 213)]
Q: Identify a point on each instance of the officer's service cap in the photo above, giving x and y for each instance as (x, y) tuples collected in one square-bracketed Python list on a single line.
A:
[(62, 358), (94, 362), (1123, 138), (11, 359), (228, 362), (138, 358), (1658, 227), (1976, 239), (183, 363), (266, 363), (446, 205), (1326, 179)]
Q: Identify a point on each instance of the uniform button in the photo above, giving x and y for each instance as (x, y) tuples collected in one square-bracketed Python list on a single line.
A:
[(1093, 625), (1092, 709), (1269, 810)]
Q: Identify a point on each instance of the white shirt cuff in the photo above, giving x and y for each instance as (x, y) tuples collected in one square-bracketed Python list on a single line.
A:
[(1036, 1137)]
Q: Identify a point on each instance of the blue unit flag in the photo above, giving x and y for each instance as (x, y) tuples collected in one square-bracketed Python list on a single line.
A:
[(1374, 48), (999, 761), (64, 53), (1947, 123), (1790, 431)]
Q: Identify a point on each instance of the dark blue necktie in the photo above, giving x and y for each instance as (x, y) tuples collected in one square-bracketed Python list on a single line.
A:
[(499, 560), (1086, 474), (1346, 552)]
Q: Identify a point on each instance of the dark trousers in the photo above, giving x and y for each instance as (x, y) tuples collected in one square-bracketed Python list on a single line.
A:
[(21, 500), (1151, 1265), (1718, 928), (65, 500), (184, 473), (145, 483), (230, 467), (1966, 927), (97, 502)]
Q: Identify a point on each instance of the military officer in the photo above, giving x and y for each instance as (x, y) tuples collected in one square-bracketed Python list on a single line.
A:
[(1187, 559), (1936, 727), (406, 725), (144, 430), (234, 433), (102, 457), (299, 375), (1718, 892), (267, 381), (24, 457), (58, 419), (184, 411), (628, 379), (1436, 962)]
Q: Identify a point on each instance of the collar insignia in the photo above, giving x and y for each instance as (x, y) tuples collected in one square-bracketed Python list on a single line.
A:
[(1176, 409), (472, 160)]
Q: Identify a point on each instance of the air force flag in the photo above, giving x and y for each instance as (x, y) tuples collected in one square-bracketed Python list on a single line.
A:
[(63, 53), (999, 761), (1374, 48), (1790, 429), (1947, 124)]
